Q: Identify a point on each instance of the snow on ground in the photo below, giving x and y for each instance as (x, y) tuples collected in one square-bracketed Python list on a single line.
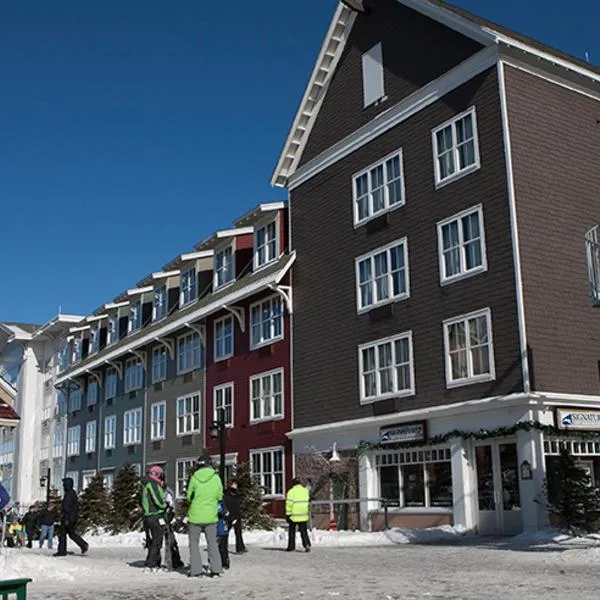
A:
[(442, 563)]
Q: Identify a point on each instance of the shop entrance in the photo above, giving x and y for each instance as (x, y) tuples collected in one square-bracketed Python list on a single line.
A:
[(498, 498)]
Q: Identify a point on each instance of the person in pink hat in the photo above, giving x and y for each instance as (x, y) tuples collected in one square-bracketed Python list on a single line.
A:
[(154, 506)]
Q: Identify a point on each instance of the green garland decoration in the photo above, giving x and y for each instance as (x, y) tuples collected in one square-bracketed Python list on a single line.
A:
[(483, 434)]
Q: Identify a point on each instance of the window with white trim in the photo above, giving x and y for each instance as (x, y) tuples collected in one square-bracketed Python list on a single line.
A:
[(135, 316), (469, 348), (109, 479), (132, 427), (188, 414), (110, 427), (386, 368), (77, 350), (189, 288), (382, 275), (183, 468), (461, 245), (92, 392), (73, 440), (265, 244), (86, 479), (112, 330), (223, 337), (160, 303), (110, 384), (58, 442), (64, 357), (455, 147), (379, 188), (90, 437), (94, 340), (158, 412), (266, 396), (159, 363), (372, 75), (223, 399), (134, 374), (224, 266), (75, 399), (416, 478), (268, 470), (189, 353), (266, 321)]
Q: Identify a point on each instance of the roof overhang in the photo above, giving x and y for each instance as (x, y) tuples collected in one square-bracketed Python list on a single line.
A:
[(57, 326), (139, 290), (331, 51), (224, 234), (258, 213), (8, 389), (8, 415), (165, 274), (113, 305)]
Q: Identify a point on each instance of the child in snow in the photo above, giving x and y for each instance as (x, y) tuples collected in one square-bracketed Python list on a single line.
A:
[(223, 534)]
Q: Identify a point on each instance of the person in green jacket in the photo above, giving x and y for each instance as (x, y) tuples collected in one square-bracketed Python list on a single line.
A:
[(297, 513), (154, 506), (204, 492)]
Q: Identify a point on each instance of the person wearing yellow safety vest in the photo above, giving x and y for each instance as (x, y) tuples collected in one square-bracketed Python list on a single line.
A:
[(297, 512)]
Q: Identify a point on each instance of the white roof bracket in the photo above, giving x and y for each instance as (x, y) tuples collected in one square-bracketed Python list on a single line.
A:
[(168, 344), (140, 355), (239, 314), (285, 291), (95, 376), (199, 329), (118, 367)]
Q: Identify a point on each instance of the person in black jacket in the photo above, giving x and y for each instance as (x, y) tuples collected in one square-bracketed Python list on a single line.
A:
[(46, 520), (232, 502), (70, 513), (30, 524)]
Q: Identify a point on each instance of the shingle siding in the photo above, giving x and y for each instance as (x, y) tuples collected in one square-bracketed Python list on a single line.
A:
[(555, 141), (416, 50), (327, 330)]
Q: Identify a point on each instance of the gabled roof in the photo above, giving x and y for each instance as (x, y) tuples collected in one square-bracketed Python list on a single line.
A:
[(462, 21), (8, 415)]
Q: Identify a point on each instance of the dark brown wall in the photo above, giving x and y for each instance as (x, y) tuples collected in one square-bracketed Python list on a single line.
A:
[(327, 329), (556, 153), (416, 50)]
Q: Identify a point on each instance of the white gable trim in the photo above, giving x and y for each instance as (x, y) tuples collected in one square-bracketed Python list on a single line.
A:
[(397, 114)]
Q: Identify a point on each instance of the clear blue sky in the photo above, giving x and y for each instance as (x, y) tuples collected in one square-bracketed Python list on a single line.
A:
[(130, 129)]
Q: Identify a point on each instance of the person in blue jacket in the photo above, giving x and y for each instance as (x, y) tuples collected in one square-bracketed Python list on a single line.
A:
[(223, 534)]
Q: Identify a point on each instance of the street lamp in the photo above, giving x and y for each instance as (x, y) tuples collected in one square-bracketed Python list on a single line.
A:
[(45, 482), (218, 429)]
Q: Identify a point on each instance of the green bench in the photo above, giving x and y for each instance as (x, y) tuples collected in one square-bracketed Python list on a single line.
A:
[(14, 589)]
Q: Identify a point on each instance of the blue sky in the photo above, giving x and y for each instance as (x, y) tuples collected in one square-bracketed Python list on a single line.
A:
[(129, 130)]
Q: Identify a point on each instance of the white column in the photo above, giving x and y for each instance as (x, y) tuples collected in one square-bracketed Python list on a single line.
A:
[(464, 484), (530, 447), (367, 488)]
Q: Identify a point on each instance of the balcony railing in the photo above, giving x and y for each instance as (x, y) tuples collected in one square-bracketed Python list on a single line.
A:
[(592, 248), (44, 453), (58, 451)]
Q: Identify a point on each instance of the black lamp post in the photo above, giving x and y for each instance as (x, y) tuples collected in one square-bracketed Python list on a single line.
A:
[(218, 430), (45, 481)]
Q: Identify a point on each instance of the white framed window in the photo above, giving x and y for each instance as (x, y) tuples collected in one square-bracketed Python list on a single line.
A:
[(110, 428), (386, 368), (64, 357), (158, 412), (75, 399), (268, 470), (265, 244), (223, 399), (92, 392), (134, 374), (266, 396), (183, 468), (94, 340), (461, 245), (382, 275), (160, 303), (74, 475), (189, 353), (77, 350), (135, 316), (132, 427), (455, 148), (189, 288), (379, 188), (58, 442), (372, 75), (86, 478), (112, 330), (188, 414), (266, 322), (109, 479), (159, 363), (73, 440), (223, 337), (110, 383), (469, 348), (224, 266), (90, 437)]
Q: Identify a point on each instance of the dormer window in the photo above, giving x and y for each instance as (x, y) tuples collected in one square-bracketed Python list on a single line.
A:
[(112, 330), (65, 357), (135, 317), (77, 348), (159, 306), (94, 339), (224, 267), (189, 290), (265, 244)]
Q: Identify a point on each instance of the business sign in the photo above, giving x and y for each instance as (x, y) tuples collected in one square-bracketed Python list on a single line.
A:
[(578, 418), (406, 432)]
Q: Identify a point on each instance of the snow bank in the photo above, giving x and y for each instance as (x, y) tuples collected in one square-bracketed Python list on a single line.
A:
[(430, 535), (17, 562)]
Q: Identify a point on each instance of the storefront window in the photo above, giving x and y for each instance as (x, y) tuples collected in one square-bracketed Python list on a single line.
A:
[(414, 485), (390, 485), (439, 477)]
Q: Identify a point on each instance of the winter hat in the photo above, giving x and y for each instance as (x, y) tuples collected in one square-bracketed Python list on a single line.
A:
[(156, 472)]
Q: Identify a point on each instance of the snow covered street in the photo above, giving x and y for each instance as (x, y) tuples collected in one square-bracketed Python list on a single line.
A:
[(350, 567)]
